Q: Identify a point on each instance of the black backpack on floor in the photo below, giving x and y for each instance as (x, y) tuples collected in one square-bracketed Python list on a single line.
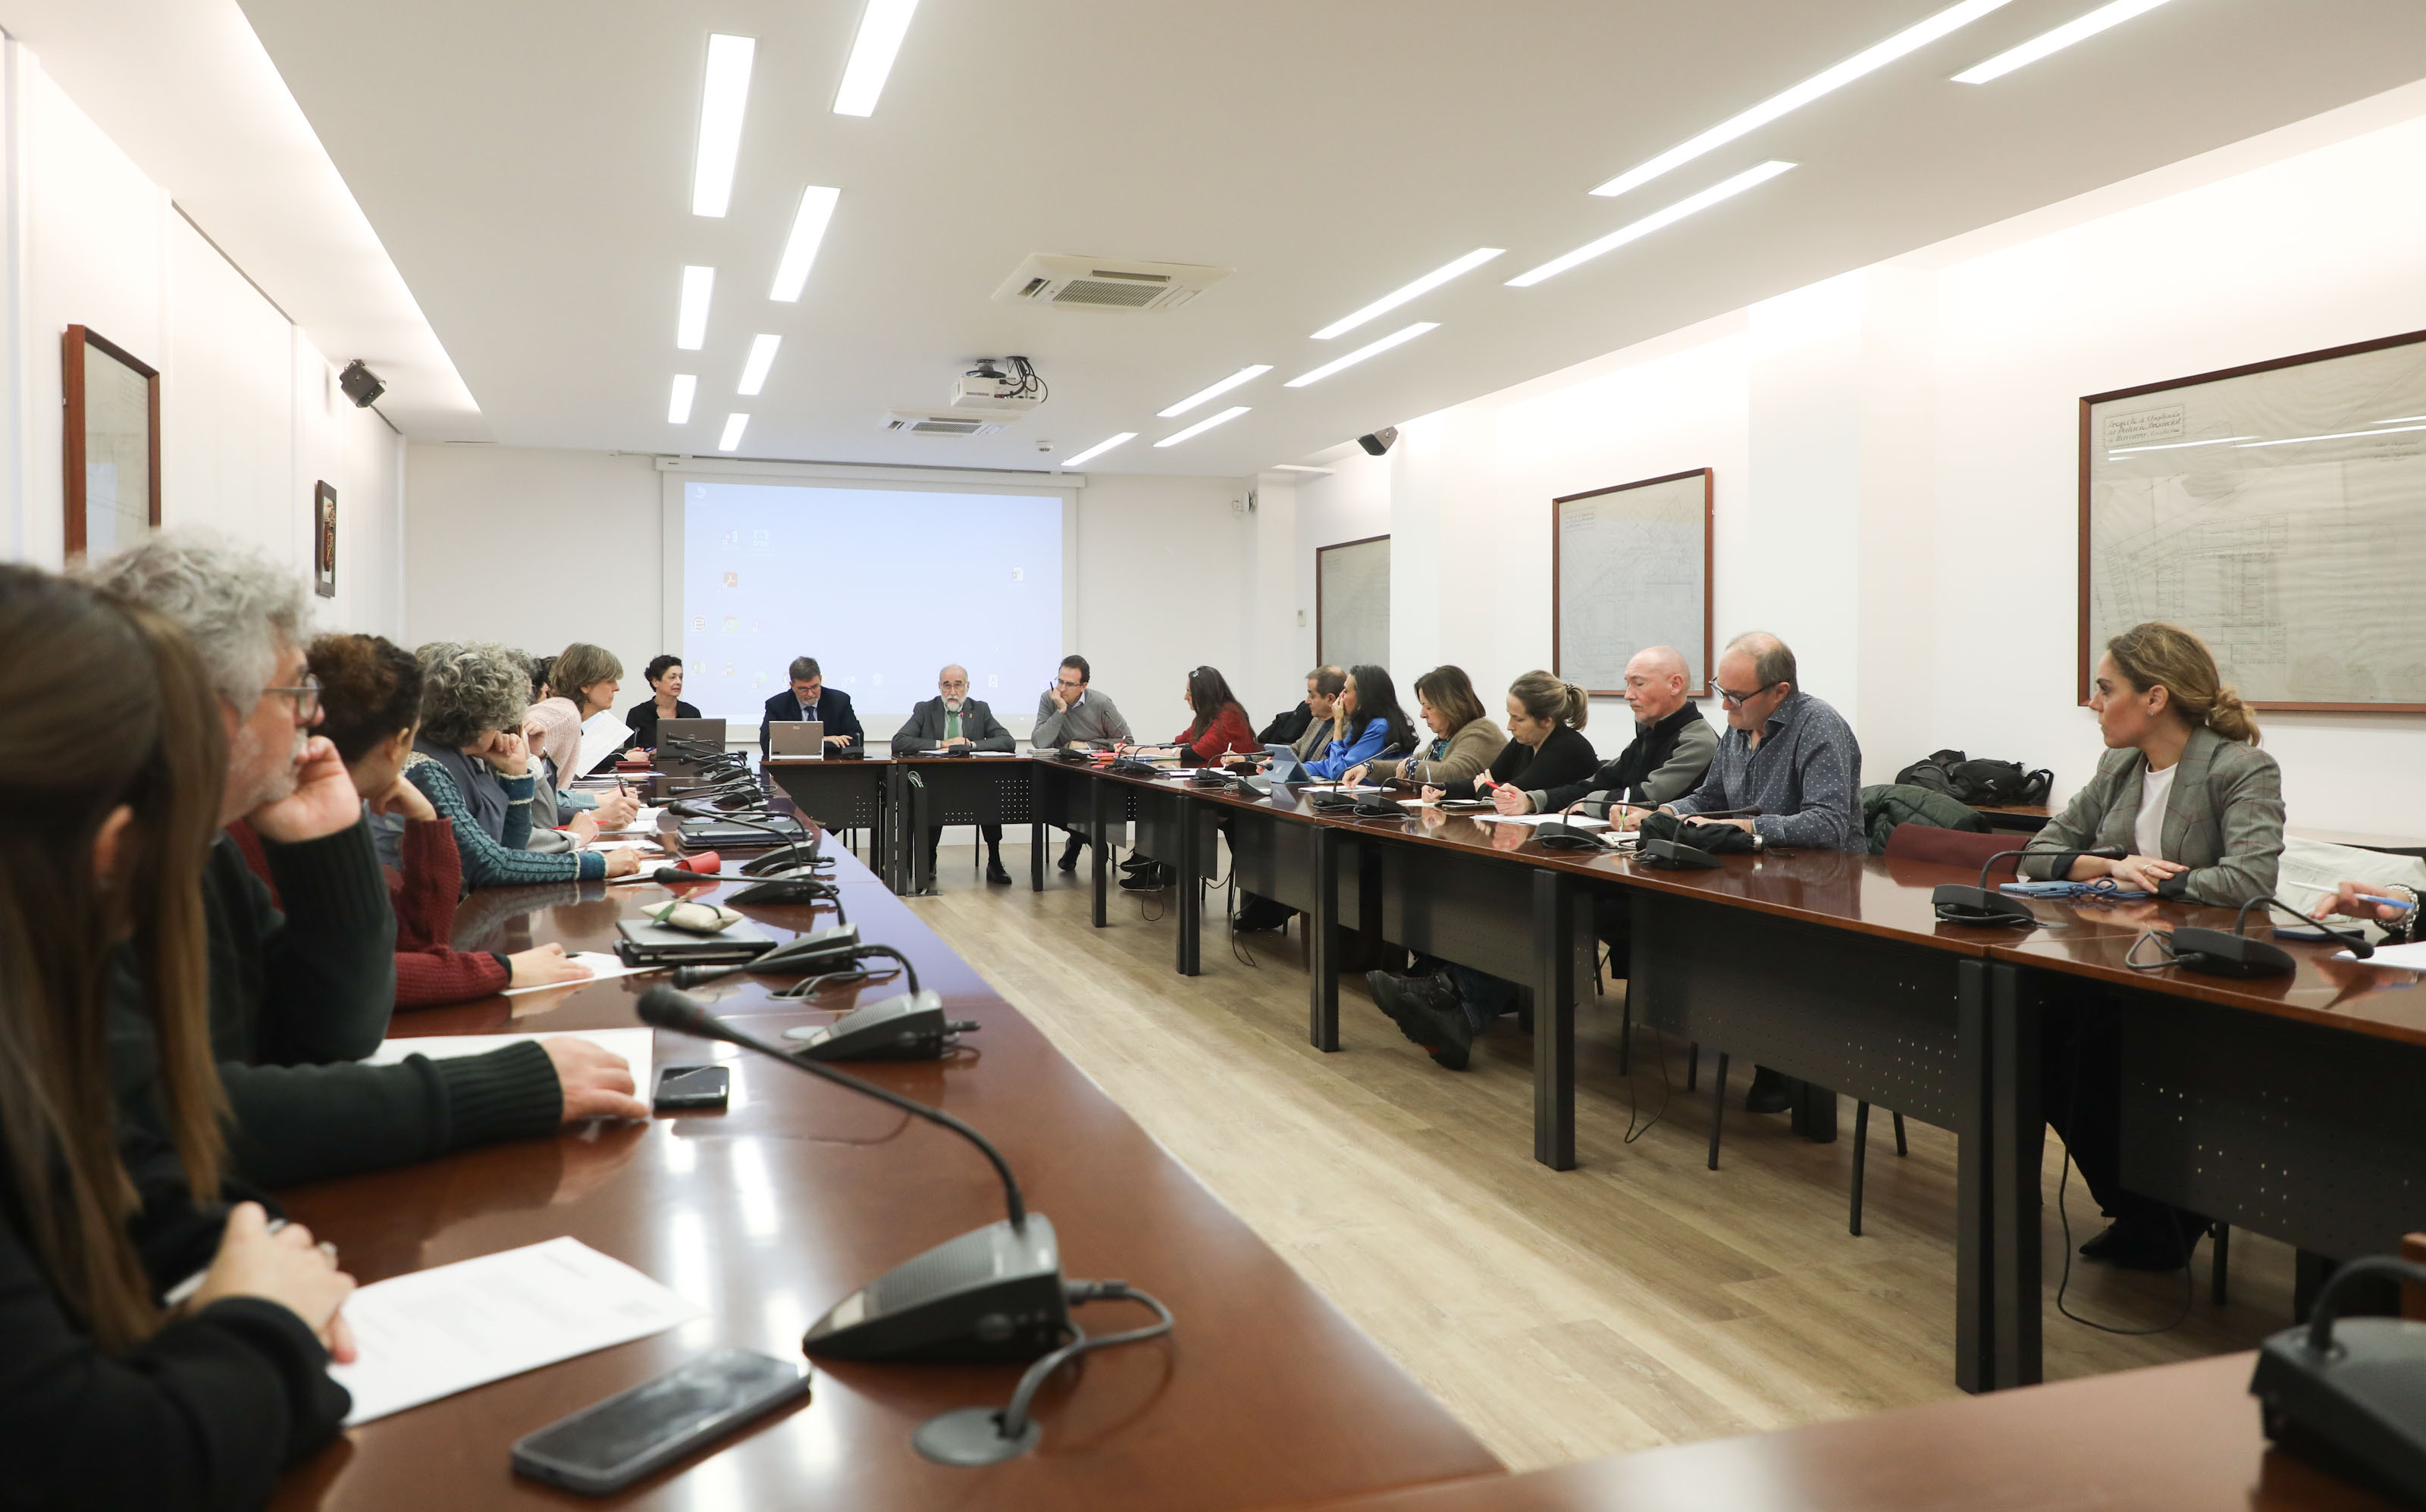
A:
[(1957, 775)]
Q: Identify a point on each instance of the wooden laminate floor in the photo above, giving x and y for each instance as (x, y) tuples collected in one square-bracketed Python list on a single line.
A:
[(1639, 1299)]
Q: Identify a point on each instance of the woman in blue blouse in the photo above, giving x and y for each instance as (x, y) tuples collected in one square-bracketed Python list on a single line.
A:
[(1371, 725)]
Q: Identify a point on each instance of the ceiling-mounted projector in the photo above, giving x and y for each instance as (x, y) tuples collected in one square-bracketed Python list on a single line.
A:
[(1000, 384)]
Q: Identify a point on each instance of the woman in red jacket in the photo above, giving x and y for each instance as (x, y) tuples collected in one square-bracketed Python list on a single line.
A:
[(1221, 726)]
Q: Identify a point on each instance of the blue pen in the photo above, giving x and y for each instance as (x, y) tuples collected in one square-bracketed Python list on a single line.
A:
[(2389, 903)]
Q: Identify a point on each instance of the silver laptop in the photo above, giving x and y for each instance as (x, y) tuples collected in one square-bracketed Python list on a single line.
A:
[(1285, 767), (696, 736), (796, 737)]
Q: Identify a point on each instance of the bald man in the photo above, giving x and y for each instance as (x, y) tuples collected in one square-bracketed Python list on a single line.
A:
[(952, 721), (1672, 749)]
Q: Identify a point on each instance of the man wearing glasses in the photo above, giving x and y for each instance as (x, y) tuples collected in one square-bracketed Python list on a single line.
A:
[(1789, 770), (1070, 714), (952, 721)]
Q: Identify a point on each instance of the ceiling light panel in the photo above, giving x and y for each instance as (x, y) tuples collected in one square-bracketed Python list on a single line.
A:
[(800, 247), (881, 26), (1202, 426), (722, 99), (754, 367), (1653, 221), (1396, 338), (1101, 447), (2056, 41), (1827, 82), (734, 427), (1244, 374), (690, 323), (1397, 296), (685, 389)]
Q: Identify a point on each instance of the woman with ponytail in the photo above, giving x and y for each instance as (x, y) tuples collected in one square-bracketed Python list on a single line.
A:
[(1546, 745), (109, 797), (2184, 790)]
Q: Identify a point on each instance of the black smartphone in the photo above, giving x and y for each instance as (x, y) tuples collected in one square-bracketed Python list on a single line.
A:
[(693, 1089), (609, 1444)]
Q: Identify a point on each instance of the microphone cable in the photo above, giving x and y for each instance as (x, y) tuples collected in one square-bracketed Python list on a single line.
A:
[(1012, 1419)]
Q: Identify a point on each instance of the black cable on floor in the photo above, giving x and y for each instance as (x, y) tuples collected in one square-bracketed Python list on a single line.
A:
[(2063, 1217)]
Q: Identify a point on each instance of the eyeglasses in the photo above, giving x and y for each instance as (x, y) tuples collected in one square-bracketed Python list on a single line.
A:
[(1737, 700), (962, 686), (306, 696)]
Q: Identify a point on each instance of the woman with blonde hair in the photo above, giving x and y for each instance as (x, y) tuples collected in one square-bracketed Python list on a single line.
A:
[(112, 1400), (1545, 748), (2185, 791)]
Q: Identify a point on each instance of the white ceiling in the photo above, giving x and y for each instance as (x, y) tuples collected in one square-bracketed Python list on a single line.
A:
[(527, 166)]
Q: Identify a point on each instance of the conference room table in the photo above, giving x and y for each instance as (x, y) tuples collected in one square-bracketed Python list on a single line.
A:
[(796, 1195), (897, 799)]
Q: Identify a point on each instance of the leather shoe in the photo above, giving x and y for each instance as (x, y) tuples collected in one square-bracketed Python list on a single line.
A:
[(1070, 852), (1767, 1093), (995, 871), (2150, 1237)]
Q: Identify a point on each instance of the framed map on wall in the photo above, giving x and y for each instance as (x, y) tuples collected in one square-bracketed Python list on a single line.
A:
[(2279, 511), (1629, 569), (1351, 602)]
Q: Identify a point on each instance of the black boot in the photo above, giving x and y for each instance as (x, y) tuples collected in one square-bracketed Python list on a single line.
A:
[(1767, 1093), (995, 871), (1070, 854)]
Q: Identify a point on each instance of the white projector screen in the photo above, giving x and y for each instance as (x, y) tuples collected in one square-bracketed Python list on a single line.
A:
[(882, 586)]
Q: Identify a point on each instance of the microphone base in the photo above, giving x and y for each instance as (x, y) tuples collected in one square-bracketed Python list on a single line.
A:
[(909, 1027), (2219, 953), (1675, 856), (1957, 903), (992, 1296), (972, 1436)]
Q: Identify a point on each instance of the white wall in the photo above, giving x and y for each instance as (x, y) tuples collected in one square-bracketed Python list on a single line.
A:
[(251, 416), (1896, 453), (539, 548)]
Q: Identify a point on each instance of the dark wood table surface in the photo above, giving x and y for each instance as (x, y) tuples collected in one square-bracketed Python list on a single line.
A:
[(2171, 1438), (797, 1194)]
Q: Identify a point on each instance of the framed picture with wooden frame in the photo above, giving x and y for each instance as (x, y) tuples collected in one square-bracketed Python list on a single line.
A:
[(1630, 567), (2278, 511), (111, 458), (1351, 602), (324, 540)]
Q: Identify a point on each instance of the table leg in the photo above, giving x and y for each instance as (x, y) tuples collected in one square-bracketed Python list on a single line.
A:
[(1977, 1261), (1036, 826), (2017, 1142), (1191, 897), (1095, 786), (915, 814), (1322, 942), (1557, 904)]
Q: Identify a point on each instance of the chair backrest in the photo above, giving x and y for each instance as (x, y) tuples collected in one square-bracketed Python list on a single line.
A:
[(2412, 1296), (1955, 847)]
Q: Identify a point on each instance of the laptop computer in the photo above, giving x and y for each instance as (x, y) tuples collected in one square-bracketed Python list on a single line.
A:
[(796, 737), (1285, 767), (702, 735)]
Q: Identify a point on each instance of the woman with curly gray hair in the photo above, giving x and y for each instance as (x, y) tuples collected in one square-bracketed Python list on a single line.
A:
[(471, 762)]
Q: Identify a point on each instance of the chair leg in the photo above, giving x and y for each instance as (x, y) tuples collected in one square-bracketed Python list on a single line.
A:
[(1901, 1149), (1718, 1106), (1692, 1064), (2218, 1270), (1861, 1148)]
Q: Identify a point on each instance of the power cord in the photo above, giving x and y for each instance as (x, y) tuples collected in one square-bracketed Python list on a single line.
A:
[(1012, 1419), (2063, 1215)]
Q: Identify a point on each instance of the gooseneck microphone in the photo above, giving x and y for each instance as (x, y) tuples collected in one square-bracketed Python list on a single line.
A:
[(1982, 904), (993, 1294), (2218, 953)]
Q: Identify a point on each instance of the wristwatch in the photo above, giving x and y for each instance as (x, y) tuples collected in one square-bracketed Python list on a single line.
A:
[(1757, 843)]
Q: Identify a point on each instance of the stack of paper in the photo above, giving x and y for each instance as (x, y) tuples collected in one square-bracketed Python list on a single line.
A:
[(637, 1046), (1577, 820), (446, 1329)]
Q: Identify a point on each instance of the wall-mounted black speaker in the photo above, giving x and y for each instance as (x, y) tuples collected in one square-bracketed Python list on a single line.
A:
[(1379, 441), (361, 384)]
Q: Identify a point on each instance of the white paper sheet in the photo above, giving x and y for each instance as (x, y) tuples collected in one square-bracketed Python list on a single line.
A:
[(1340, 787), (602, 965), (2410, 958), (448, 1328), (1578, 821), (637, 1046), (601, 734)]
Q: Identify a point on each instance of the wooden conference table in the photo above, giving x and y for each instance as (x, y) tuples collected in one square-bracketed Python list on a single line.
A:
[(798, 1192)]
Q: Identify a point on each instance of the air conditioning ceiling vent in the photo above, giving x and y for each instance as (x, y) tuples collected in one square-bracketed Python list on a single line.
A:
[(1107, 283), (948, 423)]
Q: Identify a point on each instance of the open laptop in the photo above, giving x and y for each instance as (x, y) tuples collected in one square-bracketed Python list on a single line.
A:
[(707, 735), (1285, 767), (796, 737)]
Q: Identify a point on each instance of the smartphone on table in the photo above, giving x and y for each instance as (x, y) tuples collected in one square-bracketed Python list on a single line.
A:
[(609, 1444)]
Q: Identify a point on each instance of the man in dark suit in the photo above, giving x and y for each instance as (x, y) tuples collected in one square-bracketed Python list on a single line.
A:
[(950, 721), (810, 699)]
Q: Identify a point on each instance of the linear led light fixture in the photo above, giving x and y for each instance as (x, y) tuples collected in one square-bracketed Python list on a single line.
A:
[(1653, 221), (2397, 420), (1397, 296), (2056, 41), (721, 100), (1202, 426), (734, 427), (800, 247), (690, 324), (1101, 447), (1396, 338), (2338, 435), (755, 366), (881, 26), (1826, 82), (2176, 445), (685, 389), (1298, 467), (1244, 374)]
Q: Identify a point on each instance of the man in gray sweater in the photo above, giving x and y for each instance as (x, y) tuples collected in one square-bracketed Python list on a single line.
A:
[(1072, 713)]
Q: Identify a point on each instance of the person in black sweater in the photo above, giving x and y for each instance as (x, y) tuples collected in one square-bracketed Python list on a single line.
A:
[(1545, 742), (296, 998), (665, 674), (111, 1399)]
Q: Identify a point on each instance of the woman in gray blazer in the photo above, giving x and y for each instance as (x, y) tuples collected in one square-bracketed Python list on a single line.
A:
[(1464, 738), (2185, 791)]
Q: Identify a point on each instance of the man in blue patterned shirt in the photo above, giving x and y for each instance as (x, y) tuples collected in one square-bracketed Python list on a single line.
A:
[(1789, 769)]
